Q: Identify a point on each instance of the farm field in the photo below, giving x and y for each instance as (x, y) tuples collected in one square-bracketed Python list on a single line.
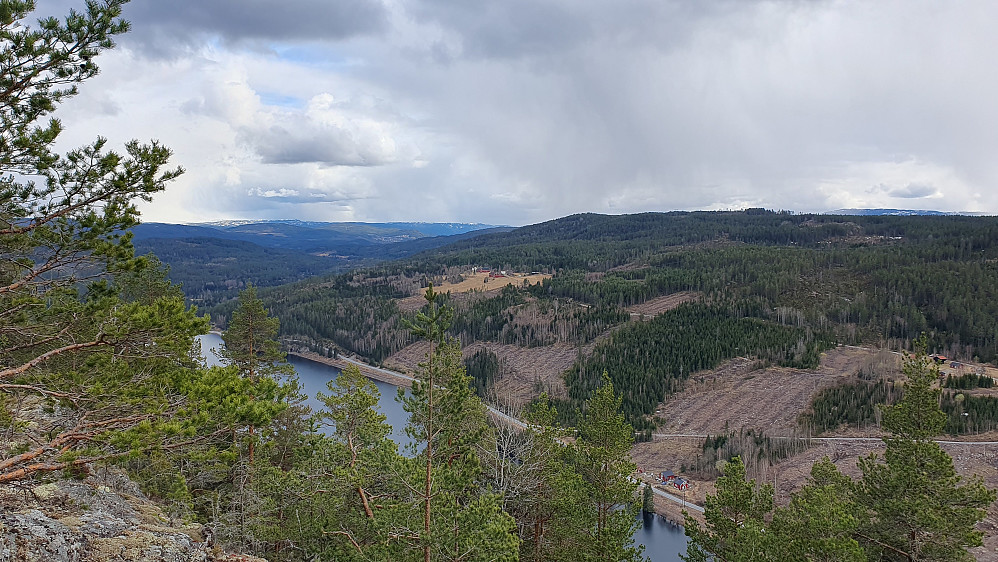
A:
[(480, 282)]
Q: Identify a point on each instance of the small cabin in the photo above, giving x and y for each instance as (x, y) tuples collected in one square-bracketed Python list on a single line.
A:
[(668, 476), (680, 484)]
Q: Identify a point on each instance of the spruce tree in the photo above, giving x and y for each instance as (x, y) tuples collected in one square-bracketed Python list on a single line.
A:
[(647, 499)]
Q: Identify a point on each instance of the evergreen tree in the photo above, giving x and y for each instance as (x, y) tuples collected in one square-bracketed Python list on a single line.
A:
[(821, 521), (601, 456), (917, 507), (457, 520), (360, 462), (114, 358), (337, 499), (251, 346), (251, 339), (648, 499), (735, 515)]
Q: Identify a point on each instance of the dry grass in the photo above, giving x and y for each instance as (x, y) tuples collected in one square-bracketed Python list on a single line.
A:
[(472, 282)]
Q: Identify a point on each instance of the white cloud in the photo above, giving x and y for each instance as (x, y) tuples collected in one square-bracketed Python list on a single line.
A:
[(520, 111)]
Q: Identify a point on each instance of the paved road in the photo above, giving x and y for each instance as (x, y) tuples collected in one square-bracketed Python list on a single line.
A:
[(519, 423), (686, 504), (501, 415)]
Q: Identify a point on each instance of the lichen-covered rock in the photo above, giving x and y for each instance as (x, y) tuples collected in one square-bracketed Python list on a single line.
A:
[(104, 518), (34, 537)]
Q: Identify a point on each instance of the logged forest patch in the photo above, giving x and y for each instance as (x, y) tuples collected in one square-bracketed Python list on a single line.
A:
[(791, 474), (524, 373), (528, 372), (738, 394), (662, 304)]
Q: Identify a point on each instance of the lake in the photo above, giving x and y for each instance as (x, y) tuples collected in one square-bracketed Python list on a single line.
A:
[(663, 541)]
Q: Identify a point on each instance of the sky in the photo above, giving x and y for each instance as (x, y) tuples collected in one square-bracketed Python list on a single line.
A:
[(520, 111)]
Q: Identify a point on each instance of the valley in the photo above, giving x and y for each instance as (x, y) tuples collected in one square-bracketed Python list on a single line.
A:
[(275, 380)]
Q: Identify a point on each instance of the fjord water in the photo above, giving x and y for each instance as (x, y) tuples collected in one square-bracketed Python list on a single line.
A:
[(663, 541)]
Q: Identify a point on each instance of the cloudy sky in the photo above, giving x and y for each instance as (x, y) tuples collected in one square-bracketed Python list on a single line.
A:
[(519, 111)]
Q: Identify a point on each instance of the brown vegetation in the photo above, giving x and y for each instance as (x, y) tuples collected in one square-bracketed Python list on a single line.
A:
[(739, 394), (658, 305), (771, 399), (526, 371), (469, 283)]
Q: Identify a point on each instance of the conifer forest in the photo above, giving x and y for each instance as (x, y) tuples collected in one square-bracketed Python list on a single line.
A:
[(540, 362)]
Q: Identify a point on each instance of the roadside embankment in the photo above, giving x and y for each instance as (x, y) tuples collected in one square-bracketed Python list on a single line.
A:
[(341, 363)]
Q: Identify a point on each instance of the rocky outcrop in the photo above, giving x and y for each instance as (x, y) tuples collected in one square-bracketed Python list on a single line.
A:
[(104, 518)]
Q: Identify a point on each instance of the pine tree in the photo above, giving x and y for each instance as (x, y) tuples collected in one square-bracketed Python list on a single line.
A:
[(76, 327), (821, 521), (601, 456), (337, 501), (735, 515), (918, 507), (251, 339), (251, 346), (350, 410), (458, 521)]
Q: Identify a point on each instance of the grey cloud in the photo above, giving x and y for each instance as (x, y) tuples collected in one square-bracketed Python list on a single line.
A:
[(635, 105), (524, 110), (325, 145), (165, 26), (508, 28), (913, 191), (546, 28)]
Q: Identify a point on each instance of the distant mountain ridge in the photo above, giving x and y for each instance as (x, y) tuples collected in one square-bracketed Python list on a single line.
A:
[(213, 260), (424, 228), (308, 236), (902, 212)]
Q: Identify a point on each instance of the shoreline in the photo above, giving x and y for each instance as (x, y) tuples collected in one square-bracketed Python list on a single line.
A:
[(368, 371)]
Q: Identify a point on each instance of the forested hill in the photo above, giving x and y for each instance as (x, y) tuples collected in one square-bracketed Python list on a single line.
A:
[(213, 261), (776, 286), (593, 241)]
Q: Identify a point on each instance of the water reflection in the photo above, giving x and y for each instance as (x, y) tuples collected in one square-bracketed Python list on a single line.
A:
[(664, 541)]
